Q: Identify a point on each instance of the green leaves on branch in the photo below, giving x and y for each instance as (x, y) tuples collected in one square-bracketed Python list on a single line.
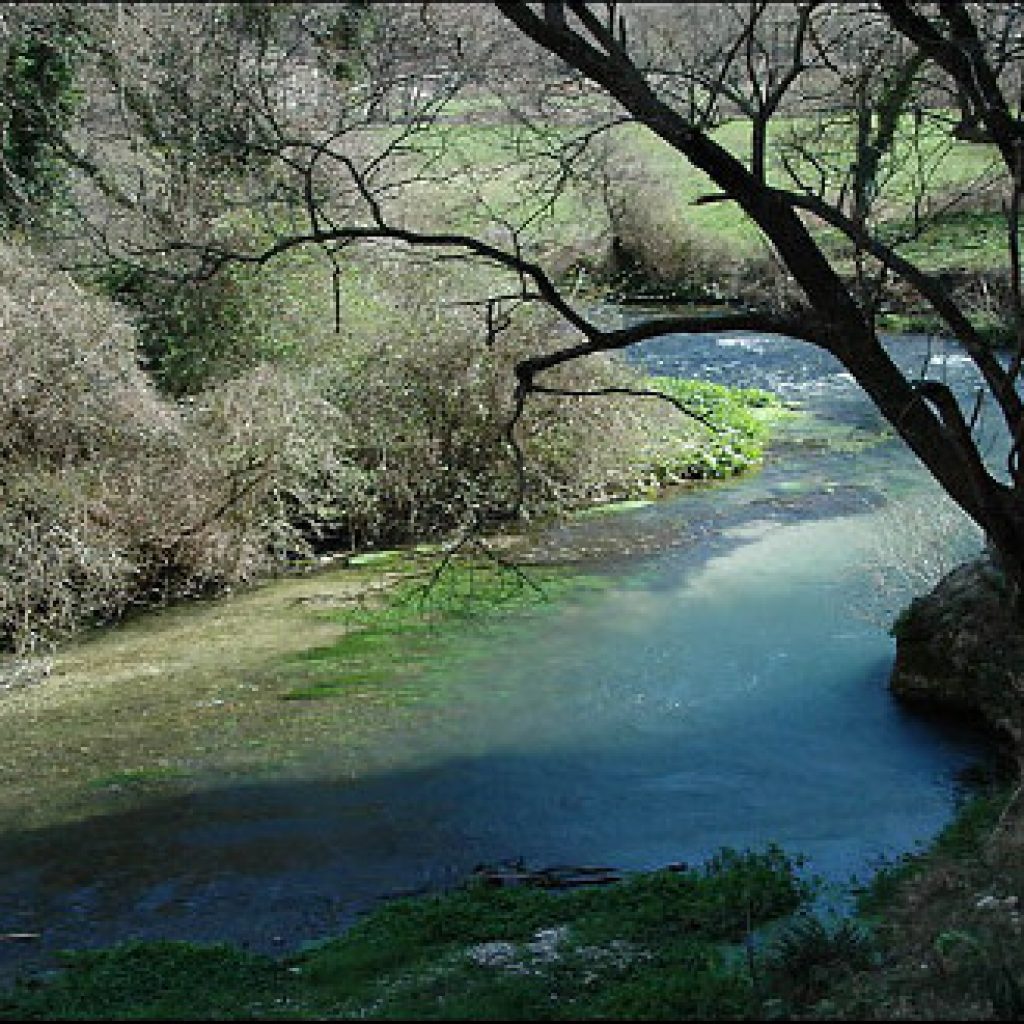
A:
[(39, 99)]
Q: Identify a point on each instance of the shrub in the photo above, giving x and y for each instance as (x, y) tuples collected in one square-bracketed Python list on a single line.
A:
[(427, 402), (809, 955), (110, 495), (383, 420), (194, 334), (415, 404)]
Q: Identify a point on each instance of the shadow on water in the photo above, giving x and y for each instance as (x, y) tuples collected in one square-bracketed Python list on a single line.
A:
[(270, 865), (729, 689)]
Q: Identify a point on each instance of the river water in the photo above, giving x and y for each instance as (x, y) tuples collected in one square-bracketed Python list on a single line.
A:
[(728, 688)]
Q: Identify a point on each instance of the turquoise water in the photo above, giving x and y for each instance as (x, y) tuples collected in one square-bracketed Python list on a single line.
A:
[(728, 688)]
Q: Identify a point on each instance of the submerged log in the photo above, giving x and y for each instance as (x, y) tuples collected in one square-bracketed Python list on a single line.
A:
[(516, 874)]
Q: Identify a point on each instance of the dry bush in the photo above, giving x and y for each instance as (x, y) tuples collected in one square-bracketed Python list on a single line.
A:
[(393, 429), (423, 404), (650, 236), (648, 241), (111, 495)]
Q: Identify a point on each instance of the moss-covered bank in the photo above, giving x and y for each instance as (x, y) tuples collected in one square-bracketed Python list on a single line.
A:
[(937, 936), (663, 945)]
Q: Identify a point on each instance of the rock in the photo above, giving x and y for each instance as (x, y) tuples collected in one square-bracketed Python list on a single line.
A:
[(493, 954), (960, 651)]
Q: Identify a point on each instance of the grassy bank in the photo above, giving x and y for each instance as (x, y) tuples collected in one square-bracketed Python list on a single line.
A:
[(937, 936), (663, 945), (672, 245)]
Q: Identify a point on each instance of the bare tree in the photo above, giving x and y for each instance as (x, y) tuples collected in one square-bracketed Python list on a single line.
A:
[(355, 168), (924, 412)]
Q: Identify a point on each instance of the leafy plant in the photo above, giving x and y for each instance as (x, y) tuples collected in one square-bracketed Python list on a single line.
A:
[(805, 959), (39, 98)]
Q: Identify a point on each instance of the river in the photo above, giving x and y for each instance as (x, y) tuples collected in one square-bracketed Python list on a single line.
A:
[(728, 687)]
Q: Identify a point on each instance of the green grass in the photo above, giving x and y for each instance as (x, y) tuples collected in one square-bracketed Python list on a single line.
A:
[(497, 159), (658, 945), (961, 240)]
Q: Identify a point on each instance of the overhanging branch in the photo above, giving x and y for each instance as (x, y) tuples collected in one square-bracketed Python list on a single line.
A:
[(794, 326), (998, 380)]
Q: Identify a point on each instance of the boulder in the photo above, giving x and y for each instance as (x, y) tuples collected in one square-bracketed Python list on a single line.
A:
[(960, 651)]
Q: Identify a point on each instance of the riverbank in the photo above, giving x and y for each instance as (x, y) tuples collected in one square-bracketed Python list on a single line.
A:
[(666, 944), (120, 492), (937, 938), (133, 973)]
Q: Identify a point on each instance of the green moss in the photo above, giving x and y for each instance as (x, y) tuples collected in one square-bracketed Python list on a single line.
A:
[(401, 648), (146, 777)]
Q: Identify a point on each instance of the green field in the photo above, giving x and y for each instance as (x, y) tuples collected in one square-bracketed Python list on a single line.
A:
[(512, 173)]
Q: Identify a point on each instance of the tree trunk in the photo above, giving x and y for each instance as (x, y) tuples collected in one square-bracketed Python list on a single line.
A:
[(924, 414)]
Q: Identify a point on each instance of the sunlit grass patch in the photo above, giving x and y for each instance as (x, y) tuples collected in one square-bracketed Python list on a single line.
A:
[(401, 645)]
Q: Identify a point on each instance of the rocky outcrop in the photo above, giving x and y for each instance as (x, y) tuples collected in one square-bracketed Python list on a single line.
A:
[(960, 650)]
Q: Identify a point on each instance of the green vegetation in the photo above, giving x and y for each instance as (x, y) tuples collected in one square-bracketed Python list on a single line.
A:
[(40, 97), (665, 945), (943, 924), (155, 981), (740, 421), (676, 247), (205, 691), (965, 240), (403, 644), (293, 425), (963, 839), (935, 936), (168, 439)]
